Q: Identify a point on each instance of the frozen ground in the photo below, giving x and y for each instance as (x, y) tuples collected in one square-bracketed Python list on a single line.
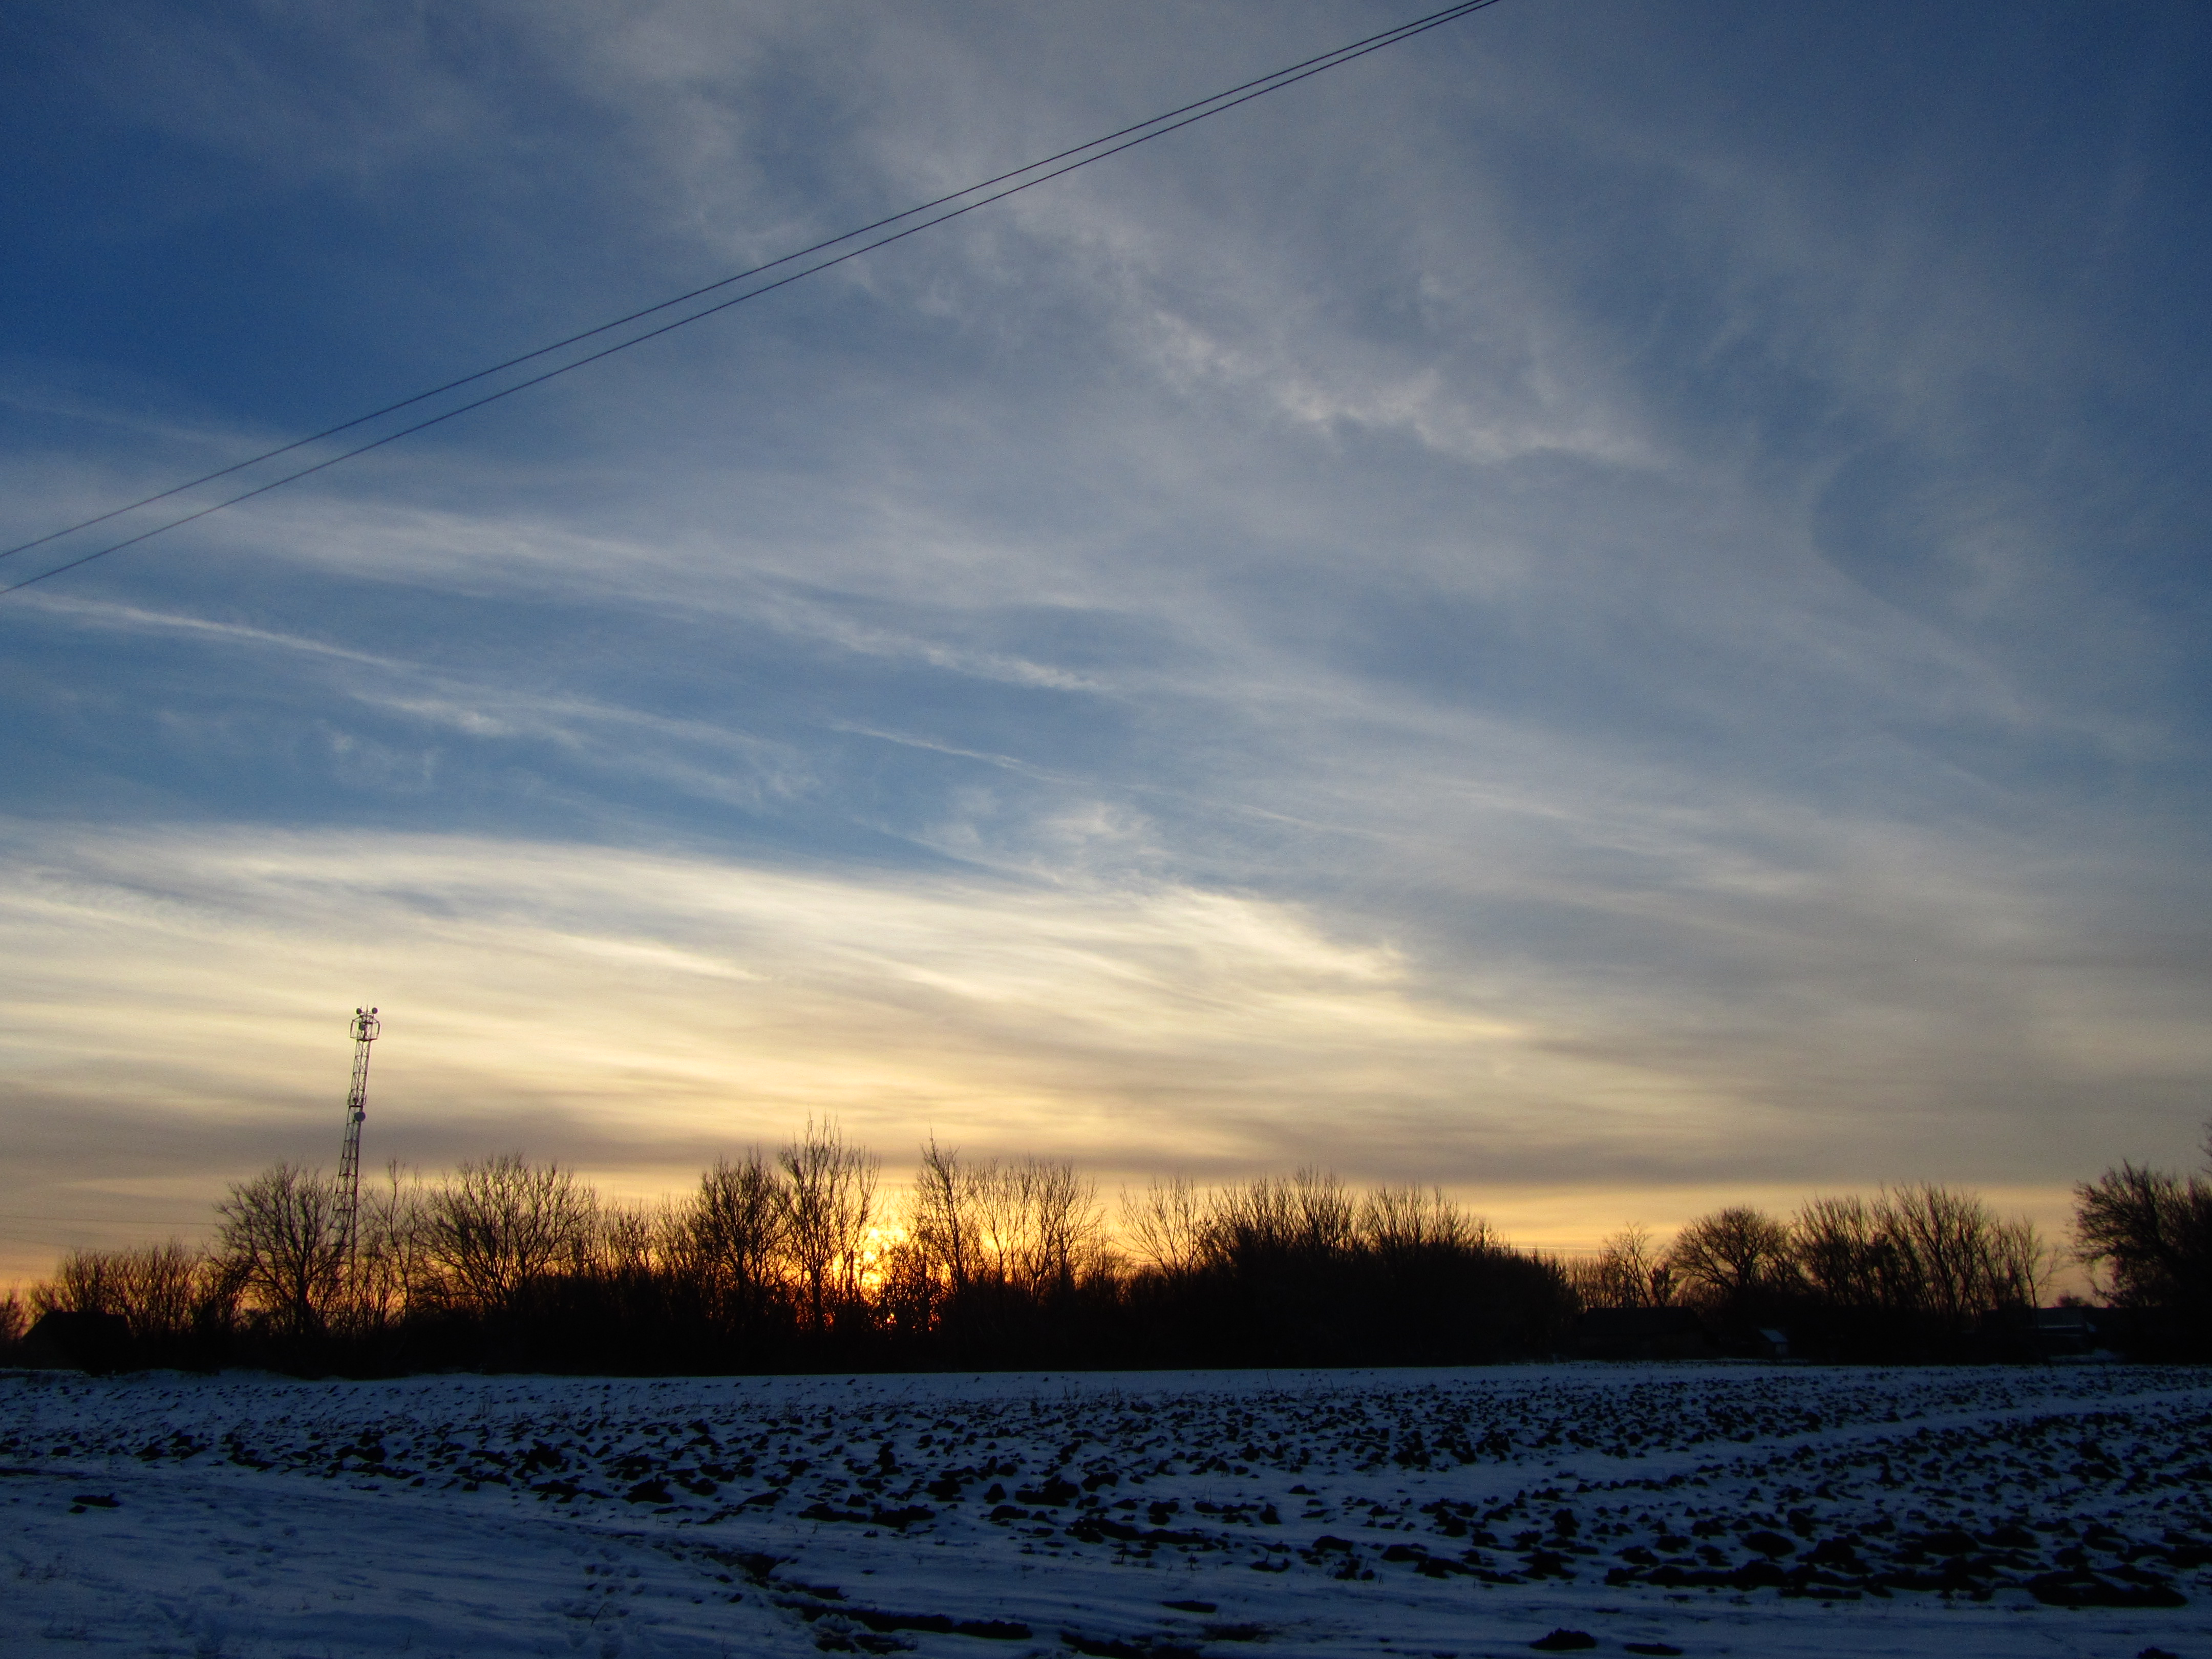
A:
[(1715, 1510)]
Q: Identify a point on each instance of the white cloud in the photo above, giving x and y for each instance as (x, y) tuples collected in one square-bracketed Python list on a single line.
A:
[(687, 999), (1477, 617)]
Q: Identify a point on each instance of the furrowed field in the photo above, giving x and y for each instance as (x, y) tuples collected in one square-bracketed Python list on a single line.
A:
[(1709, 1510)]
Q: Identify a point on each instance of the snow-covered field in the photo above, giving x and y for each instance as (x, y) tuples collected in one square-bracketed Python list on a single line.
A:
[(1708, 1510)]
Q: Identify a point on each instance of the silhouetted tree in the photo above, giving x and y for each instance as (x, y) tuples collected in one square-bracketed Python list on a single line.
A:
[(735, 1233), (1732, 1259), (944, 1253), (1956, 1261), (2149, 1235), (828, 1198), (1628, 1271), (1166, 1225), (1844, 1254), (162, 1286), (277, 1241), (390, 1272), (494, 1228), (84, 1281)]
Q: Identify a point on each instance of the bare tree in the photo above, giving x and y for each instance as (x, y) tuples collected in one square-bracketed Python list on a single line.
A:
[(1067, 1229), (84, 1281), (2021, 1265), (15, 1318), (162, 1287), (494, 1228), (1963, 1261), (1400, 1223), (1166, 1224), (1249, 1221), (1035, 1227), (2150, 1234), (1842, 1251), (941, 1231), (1309, 1214), (1324, 1215), (1628, 1271), (994, 1214), (1731, 1254), (1928, 1251), (735, 1235), (390, 1266), (631, 1240), (828, 1195), (278, 1237), (155, 1288)]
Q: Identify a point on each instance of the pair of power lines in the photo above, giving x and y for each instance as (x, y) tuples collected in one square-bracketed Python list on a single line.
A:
[(564, 355)]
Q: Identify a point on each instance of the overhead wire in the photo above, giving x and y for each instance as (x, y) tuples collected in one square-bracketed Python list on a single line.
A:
[(1388, 36), (1059, 164)]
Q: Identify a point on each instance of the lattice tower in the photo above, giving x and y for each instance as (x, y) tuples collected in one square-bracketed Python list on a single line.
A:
[(366, 1028)]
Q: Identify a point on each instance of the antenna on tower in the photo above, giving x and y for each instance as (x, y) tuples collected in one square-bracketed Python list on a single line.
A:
[(366, 1028)]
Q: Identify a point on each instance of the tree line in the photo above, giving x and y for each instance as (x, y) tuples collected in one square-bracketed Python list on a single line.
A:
[(1917, 1272), (800, 1261)]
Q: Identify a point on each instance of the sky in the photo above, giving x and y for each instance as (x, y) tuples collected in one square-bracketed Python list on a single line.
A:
[(1606, 608)]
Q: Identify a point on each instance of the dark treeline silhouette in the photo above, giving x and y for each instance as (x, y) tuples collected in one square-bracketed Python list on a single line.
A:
[(1919, 1272), (797, 1263)]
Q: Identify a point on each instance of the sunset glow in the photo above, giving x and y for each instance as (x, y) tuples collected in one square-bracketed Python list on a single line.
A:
[(1561, 613)]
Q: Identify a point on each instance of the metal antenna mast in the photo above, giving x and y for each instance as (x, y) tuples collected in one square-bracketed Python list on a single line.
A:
[(365, 1026)]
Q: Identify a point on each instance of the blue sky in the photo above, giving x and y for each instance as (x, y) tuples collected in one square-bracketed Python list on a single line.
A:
[(1607, 607)]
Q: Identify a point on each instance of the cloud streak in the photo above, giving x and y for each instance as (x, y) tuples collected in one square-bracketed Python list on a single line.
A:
[(1558, 608)]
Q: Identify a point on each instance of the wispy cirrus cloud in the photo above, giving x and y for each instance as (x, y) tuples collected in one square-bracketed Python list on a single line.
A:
[(1559, 607)]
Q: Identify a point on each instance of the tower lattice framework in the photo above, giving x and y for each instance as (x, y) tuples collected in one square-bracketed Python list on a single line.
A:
[(366, 1029)]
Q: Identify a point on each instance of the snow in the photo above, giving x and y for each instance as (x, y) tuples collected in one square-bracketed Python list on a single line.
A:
[(1770, 1510)]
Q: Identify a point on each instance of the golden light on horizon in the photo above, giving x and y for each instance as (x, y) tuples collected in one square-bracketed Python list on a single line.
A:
[(636, 1015)]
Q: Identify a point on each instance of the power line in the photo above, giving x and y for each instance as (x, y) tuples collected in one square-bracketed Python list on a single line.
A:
[(1388, 36), (1059, 164)]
